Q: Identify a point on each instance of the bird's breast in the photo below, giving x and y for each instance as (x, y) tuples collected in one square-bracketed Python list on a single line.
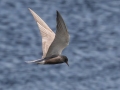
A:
[(53, 61)]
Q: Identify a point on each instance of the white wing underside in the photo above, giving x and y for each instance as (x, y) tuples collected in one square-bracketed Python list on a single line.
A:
[(47, 34), (52, 44)]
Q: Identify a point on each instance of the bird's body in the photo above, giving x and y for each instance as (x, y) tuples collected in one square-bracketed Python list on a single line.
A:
[(55, 59), (52, 44)]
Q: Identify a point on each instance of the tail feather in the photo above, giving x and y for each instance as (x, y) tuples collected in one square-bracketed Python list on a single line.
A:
[(38, 61)]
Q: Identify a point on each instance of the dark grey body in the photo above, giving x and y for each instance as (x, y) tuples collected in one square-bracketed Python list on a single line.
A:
[(55, 59)]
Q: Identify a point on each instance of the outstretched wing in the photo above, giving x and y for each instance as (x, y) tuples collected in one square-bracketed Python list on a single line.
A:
[(47, 34), (61, 39)]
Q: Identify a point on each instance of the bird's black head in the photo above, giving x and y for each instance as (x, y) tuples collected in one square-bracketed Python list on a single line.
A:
[(65, 59)]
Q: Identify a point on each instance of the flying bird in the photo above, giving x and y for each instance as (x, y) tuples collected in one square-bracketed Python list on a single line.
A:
[(52, 44)]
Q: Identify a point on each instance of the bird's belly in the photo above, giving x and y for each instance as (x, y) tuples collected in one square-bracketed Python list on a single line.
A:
[(53, 61)]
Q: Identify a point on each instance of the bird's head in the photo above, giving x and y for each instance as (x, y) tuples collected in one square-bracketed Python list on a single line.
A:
[(65, 59)]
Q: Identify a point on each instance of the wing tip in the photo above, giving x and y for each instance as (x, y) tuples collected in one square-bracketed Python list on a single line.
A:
[(29, 9), (57, 11), (58, 14)]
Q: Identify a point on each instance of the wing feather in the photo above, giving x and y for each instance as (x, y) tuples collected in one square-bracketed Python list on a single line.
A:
[(61, 39), (47, 39), (47, 34)]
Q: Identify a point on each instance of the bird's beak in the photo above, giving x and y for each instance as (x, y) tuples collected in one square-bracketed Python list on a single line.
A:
[(67, 63)]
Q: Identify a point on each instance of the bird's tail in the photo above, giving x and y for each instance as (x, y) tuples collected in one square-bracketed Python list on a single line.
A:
[(38, 61)]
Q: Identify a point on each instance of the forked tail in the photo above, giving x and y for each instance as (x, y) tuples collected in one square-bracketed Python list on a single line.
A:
[(38, 61)]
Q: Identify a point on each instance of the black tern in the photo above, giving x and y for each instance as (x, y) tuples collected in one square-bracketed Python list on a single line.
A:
[(52, 44)]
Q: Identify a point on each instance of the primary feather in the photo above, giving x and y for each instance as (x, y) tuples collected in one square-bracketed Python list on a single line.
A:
[(61, 39), (47, 34)]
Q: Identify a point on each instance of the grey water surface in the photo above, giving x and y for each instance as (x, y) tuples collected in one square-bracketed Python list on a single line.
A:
[(93, 52)]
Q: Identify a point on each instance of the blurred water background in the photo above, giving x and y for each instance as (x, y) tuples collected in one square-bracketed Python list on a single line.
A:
[(93, 52)]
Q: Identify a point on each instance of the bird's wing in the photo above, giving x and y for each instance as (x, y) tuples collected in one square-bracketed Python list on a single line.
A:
[(40, 21), (47, 34), (61, 39)]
